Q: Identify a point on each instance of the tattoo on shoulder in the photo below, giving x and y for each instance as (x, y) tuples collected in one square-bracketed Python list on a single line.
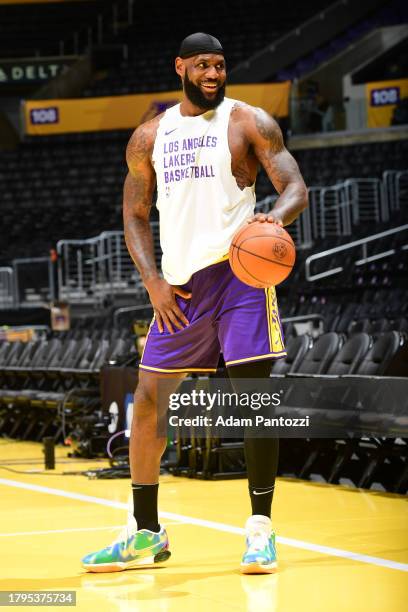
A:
[(238, 106), (139, 145), (268, 128)]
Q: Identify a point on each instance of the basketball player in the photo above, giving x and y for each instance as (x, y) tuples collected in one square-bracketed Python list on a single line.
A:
[(203, 154)]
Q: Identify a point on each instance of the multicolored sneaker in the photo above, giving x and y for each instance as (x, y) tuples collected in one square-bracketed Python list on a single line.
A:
[(260, 555), (131, 549)]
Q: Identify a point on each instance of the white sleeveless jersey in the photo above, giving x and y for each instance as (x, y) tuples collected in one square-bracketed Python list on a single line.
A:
[(200, 204)]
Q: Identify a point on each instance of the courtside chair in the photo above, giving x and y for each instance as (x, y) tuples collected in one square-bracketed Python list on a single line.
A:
[(296, 348)]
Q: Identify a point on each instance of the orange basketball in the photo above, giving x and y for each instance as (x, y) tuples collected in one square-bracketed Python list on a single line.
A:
[(262, 254)]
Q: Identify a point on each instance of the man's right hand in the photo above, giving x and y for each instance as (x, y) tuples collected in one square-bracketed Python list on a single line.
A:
[(166, 310)]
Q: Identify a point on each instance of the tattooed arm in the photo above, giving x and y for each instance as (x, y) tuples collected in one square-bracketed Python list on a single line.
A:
[(265, 137), (137, 202)]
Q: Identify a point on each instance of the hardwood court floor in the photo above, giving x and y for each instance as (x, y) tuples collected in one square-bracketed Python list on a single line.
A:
[(338, 549)]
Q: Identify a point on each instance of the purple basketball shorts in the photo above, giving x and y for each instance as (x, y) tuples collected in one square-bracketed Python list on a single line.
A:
[(224, 315)]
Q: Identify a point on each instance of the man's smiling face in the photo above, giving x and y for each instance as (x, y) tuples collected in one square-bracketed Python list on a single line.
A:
[(204, 77)]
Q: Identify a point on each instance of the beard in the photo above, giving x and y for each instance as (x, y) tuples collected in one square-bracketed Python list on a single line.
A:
[(198, 98)]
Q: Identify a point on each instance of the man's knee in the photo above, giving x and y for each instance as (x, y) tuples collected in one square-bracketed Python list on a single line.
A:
[(143, 396), (144, 404), (151, 397)]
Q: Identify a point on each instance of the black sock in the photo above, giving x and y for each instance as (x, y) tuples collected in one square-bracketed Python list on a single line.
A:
[(261, 454), (261, 499), (145, 506)]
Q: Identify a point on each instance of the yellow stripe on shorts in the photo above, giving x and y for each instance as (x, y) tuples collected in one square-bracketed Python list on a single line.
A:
[(268, 317), (275, 335)]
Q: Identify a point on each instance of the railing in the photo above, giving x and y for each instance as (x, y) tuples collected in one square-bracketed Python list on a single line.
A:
[(128, 309), (111, 16), (77, 278), (6, 288), (94, 269), (390, 186), (121, 272), (89, 271), (335, 212), (34, 283), (395, 188), (365, 258), (402, 188), (301, 230), (314, 208), (368, 200)]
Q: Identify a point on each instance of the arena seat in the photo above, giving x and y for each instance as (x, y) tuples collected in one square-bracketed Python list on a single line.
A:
[(326, 166), (68, 348), (348, 359), (36, 29), (401, 325), (10, 354), (378, 357), (64, 174), (20, 363), (360, 326), (380, 326), (296, 349), (45, 376), (150, 64), (320, 356), (81, 360), (398, 363), (44, 357)]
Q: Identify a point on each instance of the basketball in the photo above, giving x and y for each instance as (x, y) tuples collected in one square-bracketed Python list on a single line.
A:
[(262, 254)]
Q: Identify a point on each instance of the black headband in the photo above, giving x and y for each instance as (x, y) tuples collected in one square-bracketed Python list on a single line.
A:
[(200, 43)]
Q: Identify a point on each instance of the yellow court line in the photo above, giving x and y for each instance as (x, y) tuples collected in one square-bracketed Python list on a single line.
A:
[(326, 550), (47, 531), (72, 529)]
